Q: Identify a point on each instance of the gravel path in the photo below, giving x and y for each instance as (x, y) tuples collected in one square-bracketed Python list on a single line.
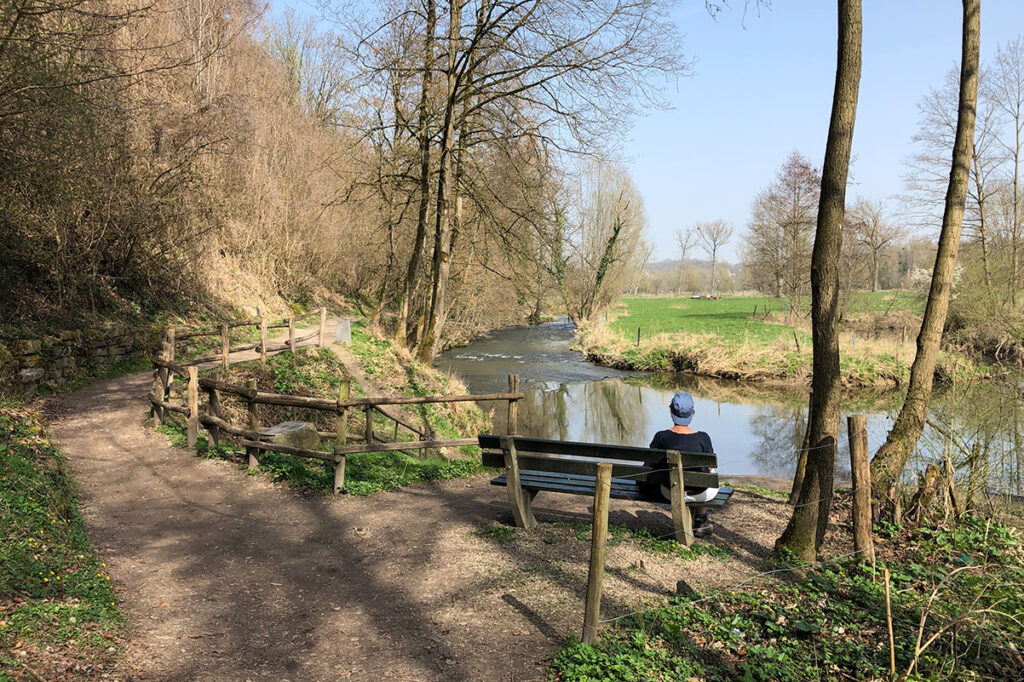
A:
[(226, 576)]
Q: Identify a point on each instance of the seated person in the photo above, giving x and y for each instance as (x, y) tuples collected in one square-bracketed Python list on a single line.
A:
[(684, 439)]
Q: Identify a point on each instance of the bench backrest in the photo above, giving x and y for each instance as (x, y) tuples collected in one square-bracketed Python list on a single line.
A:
[(568, 457)]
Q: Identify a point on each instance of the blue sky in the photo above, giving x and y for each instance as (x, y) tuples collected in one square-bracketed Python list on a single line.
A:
[(762, 86)]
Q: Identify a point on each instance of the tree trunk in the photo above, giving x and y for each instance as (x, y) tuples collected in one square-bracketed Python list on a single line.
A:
[(982, 226), (412, 273), (429, 341), (892, 457), (806, 529)]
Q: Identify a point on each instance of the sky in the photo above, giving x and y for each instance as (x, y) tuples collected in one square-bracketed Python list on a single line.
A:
[(762, 86)]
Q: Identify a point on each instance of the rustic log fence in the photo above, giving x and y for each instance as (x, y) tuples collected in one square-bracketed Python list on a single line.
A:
[(210, 415)]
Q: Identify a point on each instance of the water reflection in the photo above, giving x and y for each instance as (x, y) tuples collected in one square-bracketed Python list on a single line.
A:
[(755, 429), (750, 438)]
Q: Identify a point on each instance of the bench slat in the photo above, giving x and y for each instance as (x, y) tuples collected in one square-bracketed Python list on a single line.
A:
[(586, 466), (575, 484), (601, 451)]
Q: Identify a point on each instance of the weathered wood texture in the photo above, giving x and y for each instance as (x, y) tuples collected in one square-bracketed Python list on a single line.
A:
[(598, 543), (520, 501), (681, 520), (512, 417), (193, 406), (860, 468)]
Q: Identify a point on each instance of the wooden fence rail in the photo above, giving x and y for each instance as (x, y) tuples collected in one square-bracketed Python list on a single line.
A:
[(210, 415)]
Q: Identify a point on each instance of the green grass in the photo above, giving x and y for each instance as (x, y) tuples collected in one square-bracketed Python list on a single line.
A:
[(831, 623), (895, 301), (730, 318), (56, 599)]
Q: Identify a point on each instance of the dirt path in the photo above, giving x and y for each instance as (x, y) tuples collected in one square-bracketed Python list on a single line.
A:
[(226, 576)]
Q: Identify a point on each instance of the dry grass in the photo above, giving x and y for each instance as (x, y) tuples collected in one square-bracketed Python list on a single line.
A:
[(865, 362)]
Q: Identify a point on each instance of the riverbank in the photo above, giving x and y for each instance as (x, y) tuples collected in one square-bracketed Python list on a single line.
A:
[(727, 339)]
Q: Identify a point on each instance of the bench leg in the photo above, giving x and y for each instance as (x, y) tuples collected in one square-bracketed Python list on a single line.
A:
[(521, 502), (680, 512)]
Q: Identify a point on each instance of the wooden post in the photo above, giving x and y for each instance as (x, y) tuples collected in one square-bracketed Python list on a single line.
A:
[(254, 425), (225, 347), (263, 340), (323, 327), (680, 512), (214, 403), (598, 542), (339, 466), (520, 500), (160, 374), (856, 427), (193, 406), (291, 334), (512, 422), (368, 429), (638, 336)]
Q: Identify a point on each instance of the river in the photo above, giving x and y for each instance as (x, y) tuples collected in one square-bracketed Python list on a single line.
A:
[(755, 429)]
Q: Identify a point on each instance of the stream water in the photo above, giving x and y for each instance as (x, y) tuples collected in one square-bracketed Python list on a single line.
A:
[(755, 429)]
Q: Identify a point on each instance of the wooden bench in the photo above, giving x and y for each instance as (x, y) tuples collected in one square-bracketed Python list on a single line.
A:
[(533, 465)]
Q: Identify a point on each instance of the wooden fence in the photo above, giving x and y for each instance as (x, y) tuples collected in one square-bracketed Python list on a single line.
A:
[(173, 337), (210, 414)]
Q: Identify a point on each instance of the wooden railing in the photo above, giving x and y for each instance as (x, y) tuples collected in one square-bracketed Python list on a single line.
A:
[(210, 415), (173, 337)]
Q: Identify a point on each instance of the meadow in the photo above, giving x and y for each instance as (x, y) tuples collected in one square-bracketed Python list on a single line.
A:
[(760, 338)]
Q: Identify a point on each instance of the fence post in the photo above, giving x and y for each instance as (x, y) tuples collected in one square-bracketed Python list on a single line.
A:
[(368, 431), (254, 425), (263, 340), (193, 406), (214, 403), (339, 465), (323, 327), (638, 336), (160, 376), (856, 427), (225, 347), (511, 427), (598, 542), (291, 334)]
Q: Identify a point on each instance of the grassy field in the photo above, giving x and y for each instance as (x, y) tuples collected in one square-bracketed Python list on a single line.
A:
[(730, 318), (734, 338)]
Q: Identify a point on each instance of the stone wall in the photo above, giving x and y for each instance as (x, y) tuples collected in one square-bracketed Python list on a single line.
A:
[(53, 360)]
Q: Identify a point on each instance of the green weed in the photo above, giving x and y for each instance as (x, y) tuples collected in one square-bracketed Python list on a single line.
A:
[(56, 593), (831, 624)]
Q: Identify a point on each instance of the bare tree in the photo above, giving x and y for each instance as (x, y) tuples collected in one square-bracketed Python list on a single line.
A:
[(806, 530), (777, 243), (608, 245), (713, 236), (1007, 85), (873, 233), (686, 238), (890, 460)]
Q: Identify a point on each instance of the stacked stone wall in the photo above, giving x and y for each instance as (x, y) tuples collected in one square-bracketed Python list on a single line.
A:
[(55, 359)]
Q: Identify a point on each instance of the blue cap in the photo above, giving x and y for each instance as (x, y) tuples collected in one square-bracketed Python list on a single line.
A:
[(681, 409)]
